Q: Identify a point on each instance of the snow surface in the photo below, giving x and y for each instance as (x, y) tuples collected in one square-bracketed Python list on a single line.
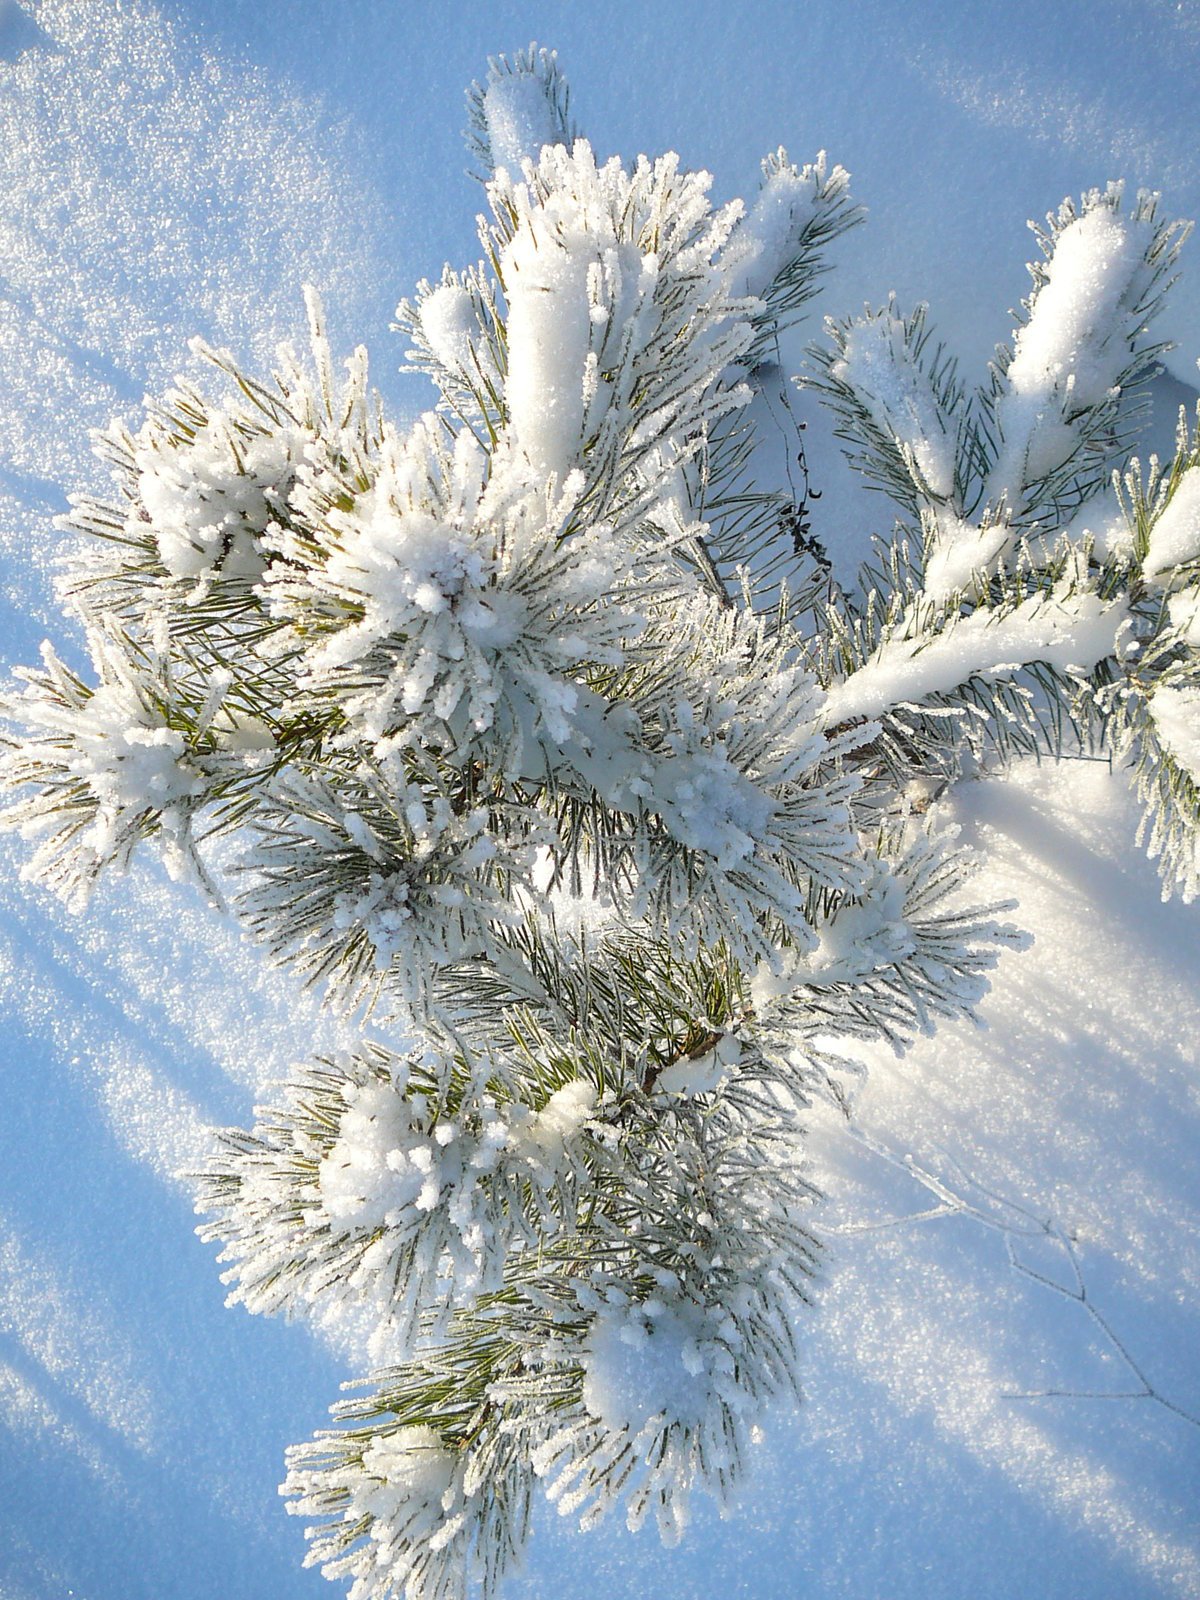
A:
[(183, 169)]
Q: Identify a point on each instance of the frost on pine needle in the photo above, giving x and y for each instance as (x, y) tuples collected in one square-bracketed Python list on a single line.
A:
[(665, 1406), (404, 1500), (796, 212), (671, 1368), (405, 1181), (437, 599), (908, 949), (210, 498), (621, 328), (1011, 467), (373, 886), (456, 329), (878, 361), (543, 733), (1176, 713), (1154, 705), (109, 765)]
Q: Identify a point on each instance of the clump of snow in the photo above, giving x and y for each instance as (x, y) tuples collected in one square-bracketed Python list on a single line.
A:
[(406, 1499), (210, 500), (878, 365), (788, 203), (1067, 629), (603, 269), (448, 318), (662, 1359), (542, 1139), (1076, 334), (1176, 713), (1175, 535), (1070, 354), (703, 1074), (860, 938), (579, 285), (710, 805), (547, 270), (387, 1164), (411, 1203), (960, 553), (670, 1394), (381, 1163), (406, 1482), (131, 762), (409, 569), (521, 115)]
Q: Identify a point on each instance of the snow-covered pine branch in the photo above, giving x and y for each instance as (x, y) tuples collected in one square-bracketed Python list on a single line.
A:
[(1018, 461), (525, 733), (1155, 704)]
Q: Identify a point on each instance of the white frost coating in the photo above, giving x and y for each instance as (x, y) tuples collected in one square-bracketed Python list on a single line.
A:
[(1072, 351), (210, 501), (863, 937), (1069, 631), (569, 280), (113, 751), (407, 1477), (130, 761), (521, 118), (450, 596), (1176, 713), (878, 365), (415, 573), (411, 1489), (603, 270), (1175, 536), (387, 1169), (411, 1496)]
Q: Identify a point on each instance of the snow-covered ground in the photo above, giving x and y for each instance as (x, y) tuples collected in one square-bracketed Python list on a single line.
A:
[(1014, 1210)]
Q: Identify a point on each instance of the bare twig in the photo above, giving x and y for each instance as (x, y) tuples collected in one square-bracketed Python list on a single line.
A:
[(1028, 1226)]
